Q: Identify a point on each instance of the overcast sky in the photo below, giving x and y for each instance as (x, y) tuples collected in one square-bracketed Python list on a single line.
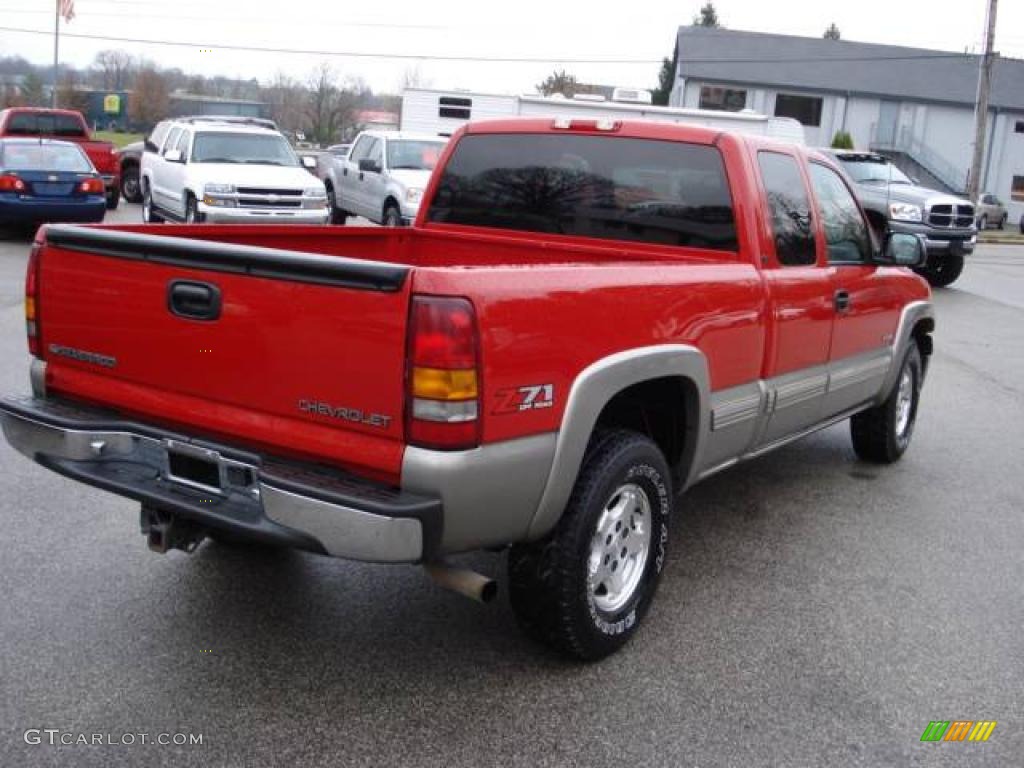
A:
[(635, 34)]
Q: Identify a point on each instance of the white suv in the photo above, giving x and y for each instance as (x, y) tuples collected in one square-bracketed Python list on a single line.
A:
[(384, 176), (206, 169)]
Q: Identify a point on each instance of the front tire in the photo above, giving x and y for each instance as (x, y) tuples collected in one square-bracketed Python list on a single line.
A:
[(192, 214), (392, 216), (149, 216), (130, 189), (943, 269), (338, 216), (882, 434), (585, 588)]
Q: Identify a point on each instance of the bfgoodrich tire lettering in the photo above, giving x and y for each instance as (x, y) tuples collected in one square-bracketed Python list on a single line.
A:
[(564, 589)]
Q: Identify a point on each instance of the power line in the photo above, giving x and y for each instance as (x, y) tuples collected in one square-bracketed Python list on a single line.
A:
[(492, 59)]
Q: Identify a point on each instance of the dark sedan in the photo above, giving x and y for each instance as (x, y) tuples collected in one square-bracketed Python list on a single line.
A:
[(43, 180)]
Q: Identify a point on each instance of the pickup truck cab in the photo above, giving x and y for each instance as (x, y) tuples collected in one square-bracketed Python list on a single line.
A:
[(383, 177), (894, 202), (228, 172), (66, 125), (587, 318)]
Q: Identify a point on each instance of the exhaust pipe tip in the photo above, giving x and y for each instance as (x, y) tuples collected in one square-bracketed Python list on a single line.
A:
[(463, 581)]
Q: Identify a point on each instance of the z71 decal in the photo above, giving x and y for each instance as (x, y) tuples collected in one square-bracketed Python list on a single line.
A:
[(528, 398)]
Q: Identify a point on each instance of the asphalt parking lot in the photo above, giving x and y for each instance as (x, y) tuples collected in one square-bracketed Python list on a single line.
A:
[(817, 611)]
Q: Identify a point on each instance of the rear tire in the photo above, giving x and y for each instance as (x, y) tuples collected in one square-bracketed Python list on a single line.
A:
[(882, 434), (1002, 221), (983, 222), (943, 269), (113, 198), (585, 588), (149, 216)]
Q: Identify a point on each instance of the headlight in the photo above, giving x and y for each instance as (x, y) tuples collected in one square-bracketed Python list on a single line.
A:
[(904, 212), (315, 192), (413, 195)]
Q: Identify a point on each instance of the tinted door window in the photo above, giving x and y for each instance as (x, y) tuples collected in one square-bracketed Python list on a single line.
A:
[(375, 152), (790, 209), (182, 145), (593, 186), (846, 233), (172, 139), (359, 150)]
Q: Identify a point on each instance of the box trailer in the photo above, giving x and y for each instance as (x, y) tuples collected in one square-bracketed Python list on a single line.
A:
[(426, 110)]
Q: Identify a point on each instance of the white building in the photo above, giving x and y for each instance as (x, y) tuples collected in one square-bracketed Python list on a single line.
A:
[(917, 106)]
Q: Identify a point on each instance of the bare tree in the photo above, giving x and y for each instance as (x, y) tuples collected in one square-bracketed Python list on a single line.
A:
[(413, 77), (149, 99), (561, 82), (33, 93), (286, 99), (115, 68), (324, 108), (70, 95)]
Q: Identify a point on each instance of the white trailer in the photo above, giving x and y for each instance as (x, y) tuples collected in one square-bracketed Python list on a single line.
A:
[(438, 112)]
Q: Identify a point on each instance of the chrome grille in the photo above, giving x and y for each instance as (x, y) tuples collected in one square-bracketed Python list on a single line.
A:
[(267, 191), (262, 197), (950, 216)]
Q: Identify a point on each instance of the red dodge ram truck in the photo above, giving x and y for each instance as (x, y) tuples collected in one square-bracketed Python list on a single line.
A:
[(587, 318), (66, 125)]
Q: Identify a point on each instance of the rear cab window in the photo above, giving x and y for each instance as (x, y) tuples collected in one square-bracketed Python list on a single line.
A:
[(45, 124), (612, 188)]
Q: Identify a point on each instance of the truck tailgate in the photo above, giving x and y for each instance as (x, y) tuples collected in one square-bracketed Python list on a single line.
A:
[(287, 351)]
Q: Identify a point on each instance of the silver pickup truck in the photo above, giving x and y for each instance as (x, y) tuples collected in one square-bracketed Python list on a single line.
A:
[(383, 177)]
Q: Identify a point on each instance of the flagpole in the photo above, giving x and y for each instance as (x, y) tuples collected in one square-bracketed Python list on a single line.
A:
[(56, 44)]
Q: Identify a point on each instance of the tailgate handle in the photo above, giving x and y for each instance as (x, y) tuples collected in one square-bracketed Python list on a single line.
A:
[(193, 300)]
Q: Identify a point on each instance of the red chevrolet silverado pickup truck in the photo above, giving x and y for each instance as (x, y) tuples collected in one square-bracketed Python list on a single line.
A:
[(66, 125), (587, 318)]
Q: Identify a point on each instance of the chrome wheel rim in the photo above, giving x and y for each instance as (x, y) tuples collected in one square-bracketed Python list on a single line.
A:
[(147, 204), (130, 187), (904, 401), (619, 548)]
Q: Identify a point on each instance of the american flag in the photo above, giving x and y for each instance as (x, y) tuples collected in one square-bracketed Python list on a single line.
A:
[(66, 8)]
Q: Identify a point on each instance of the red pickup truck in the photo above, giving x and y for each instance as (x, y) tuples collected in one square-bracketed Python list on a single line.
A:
[(587, 318), (66, 125)]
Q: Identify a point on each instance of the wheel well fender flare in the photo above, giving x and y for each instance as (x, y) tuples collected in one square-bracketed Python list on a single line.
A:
[(592, 390), (917, 320)]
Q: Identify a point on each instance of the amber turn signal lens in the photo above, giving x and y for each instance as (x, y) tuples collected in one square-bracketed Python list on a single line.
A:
[(441, 384)]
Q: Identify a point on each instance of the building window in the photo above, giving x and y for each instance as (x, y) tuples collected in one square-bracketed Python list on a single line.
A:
[(1017, 189), (1019, 127), (725, 99), (806, 109), (453, 107)]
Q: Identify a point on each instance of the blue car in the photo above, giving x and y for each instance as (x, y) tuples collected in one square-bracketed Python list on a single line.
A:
[(43, 180)]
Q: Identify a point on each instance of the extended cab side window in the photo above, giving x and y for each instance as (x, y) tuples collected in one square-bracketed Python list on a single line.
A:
[(846, 232), (790, 209), (609, 187)]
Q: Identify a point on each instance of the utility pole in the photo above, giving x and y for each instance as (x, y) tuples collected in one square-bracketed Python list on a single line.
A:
[(981, 104), (56, 48)]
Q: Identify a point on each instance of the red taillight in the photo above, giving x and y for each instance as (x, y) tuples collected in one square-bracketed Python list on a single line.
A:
[(32, 297), (91, 186), (443, 376), (11, 183)]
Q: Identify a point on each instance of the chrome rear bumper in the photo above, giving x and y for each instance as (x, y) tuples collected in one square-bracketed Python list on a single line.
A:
[(224, 488)]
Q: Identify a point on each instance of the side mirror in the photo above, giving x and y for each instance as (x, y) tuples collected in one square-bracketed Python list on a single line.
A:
[(308, 161), (173, 156), (903, 249), (368, 165)]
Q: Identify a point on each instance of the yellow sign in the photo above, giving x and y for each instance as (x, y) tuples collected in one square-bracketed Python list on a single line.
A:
[(112, 104)]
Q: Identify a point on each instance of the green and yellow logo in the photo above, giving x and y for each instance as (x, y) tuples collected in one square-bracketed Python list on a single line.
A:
[(958, 730)]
